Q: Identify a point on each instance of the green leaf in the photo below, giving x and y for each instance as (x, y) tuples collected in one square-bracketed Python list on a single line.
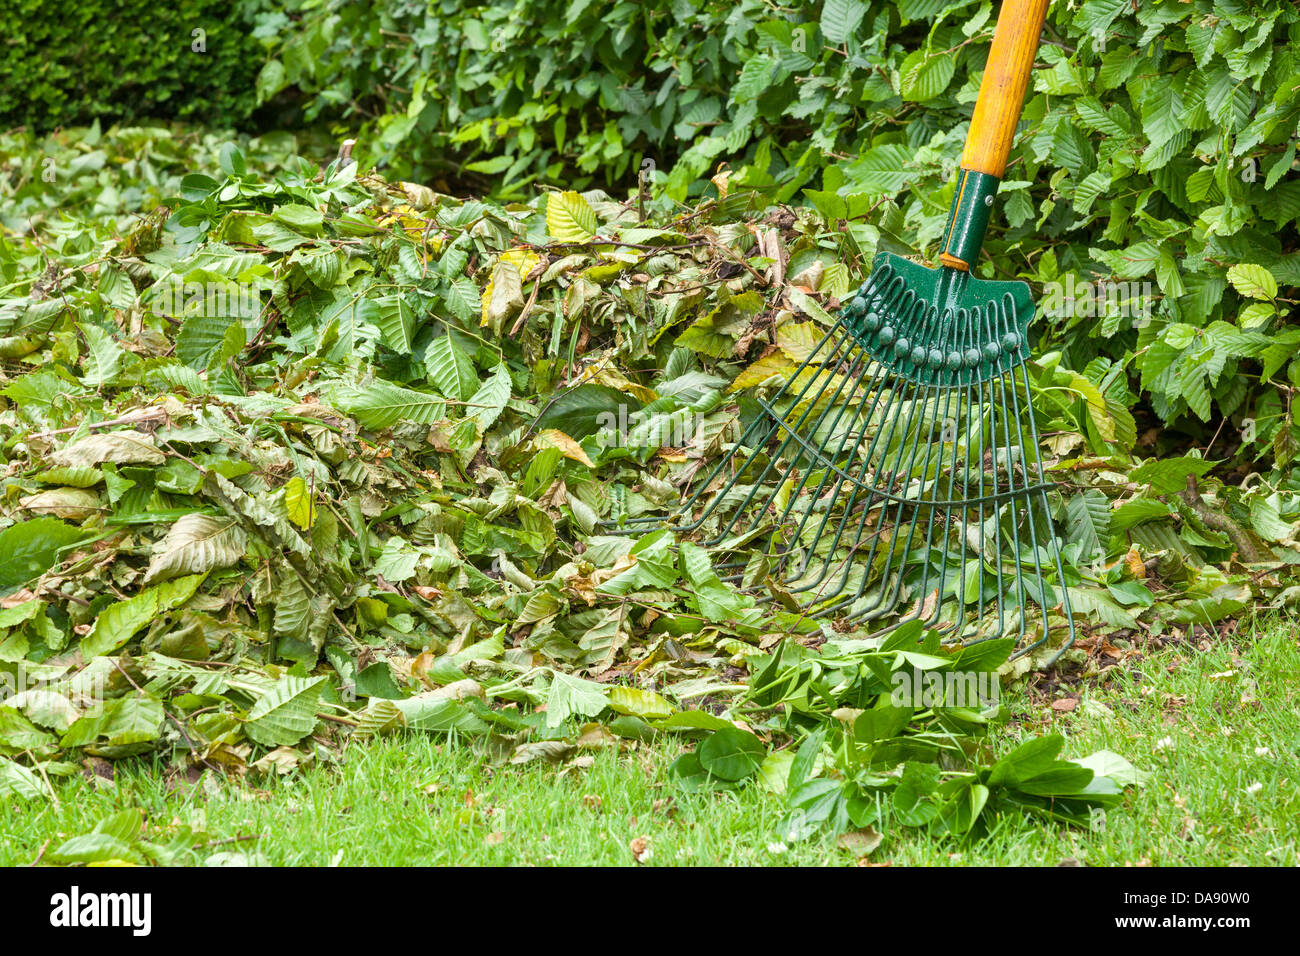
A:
[(883, 170), (1106, 763), (121, 448), (638, 702), (202, 338), (103, 359), (924, 75), (1087, 521), (119, 622), (382, 404), (30, 548), (486, 404), (1252, 281), (300, 218), (17, 782), (94, 848), (286, 713), (571, 696), (451, 370), (582, 411), (397, 323), (731, 754), (840, 19), (1169, 475)]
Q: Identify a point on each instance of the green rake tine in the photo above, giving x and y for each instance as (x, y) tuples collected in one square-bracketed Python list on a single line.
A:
[(923, 404), (878, 486), (1014, 412), (880, 381), (920, 501), (937, 487), (963, 517), (841, 328), (854, 376), (893, 384), (877, 300), (931, 396), (1050, 530), (896, 385), (874, 295), (1056, 550), (778, 423), (993, 477), (857, 372), (1011, 481), (831, 467)]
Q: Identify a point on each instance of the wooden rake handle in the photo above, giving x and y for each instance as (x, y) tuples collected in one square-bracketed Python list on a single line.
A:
[(1002, 90), (992, 128)]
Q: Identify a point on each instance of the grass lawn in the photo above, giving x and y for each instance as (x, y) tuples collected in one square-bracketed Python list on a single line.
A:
[(1217, 726)]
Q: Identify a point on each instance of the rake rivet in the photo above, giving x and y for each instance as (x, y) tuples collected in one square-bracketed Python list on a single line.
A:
[(1011, 341), (858, 306), (918, 355), (872, 322), (991, 351), (901, 347), (953, 360), (887, 335), (971, 358)]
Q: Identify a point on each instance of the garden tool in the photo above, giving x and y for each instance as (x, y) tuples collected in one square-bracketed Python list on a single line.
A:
[(894, 472)]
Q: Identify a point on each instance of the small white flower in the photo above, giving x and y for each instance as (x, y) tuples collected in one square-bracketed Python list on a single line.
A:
[(1254, 788), (1164, 743), (776, 849), (1263, 752)]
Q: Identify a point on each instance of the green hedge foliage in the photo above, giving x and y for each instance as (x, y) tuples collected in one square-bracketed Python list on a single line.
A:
[(1158, 146), (65, 63)]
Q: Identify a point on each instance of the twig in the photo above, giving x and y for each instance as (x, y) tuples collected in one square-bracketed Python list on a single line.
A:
[(152, 415), (170, 716), (528, 307)]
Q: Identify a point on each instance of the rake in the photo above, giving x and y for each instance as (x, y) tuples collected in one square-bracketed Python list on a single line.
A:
[(894, 473)]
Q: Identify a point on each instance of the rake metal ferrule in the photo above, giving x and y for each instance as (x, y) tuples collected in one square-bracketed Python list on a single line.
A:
[(968, 220)]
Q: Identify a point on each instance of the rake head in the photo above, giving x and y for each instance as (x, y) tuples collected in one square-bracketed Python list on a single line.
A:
[(894, 473)]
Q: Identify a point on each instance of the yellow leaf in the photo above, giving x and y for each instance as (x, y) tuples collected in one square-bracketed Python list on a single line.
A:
[(505, 289), (570, 448), (637, 702), (569, 217), (798, 339), (612, 378), (775, 363), (298, 501)]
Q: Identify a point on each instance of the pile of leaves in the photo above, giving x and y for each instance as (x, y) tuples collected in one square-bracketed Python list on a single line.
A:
[(1159, 147), (303, 455)]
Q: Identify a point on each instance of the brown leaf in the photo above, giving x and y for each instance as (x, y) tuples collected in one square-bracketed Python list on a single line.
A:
[(641, 849), (862, 841)]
